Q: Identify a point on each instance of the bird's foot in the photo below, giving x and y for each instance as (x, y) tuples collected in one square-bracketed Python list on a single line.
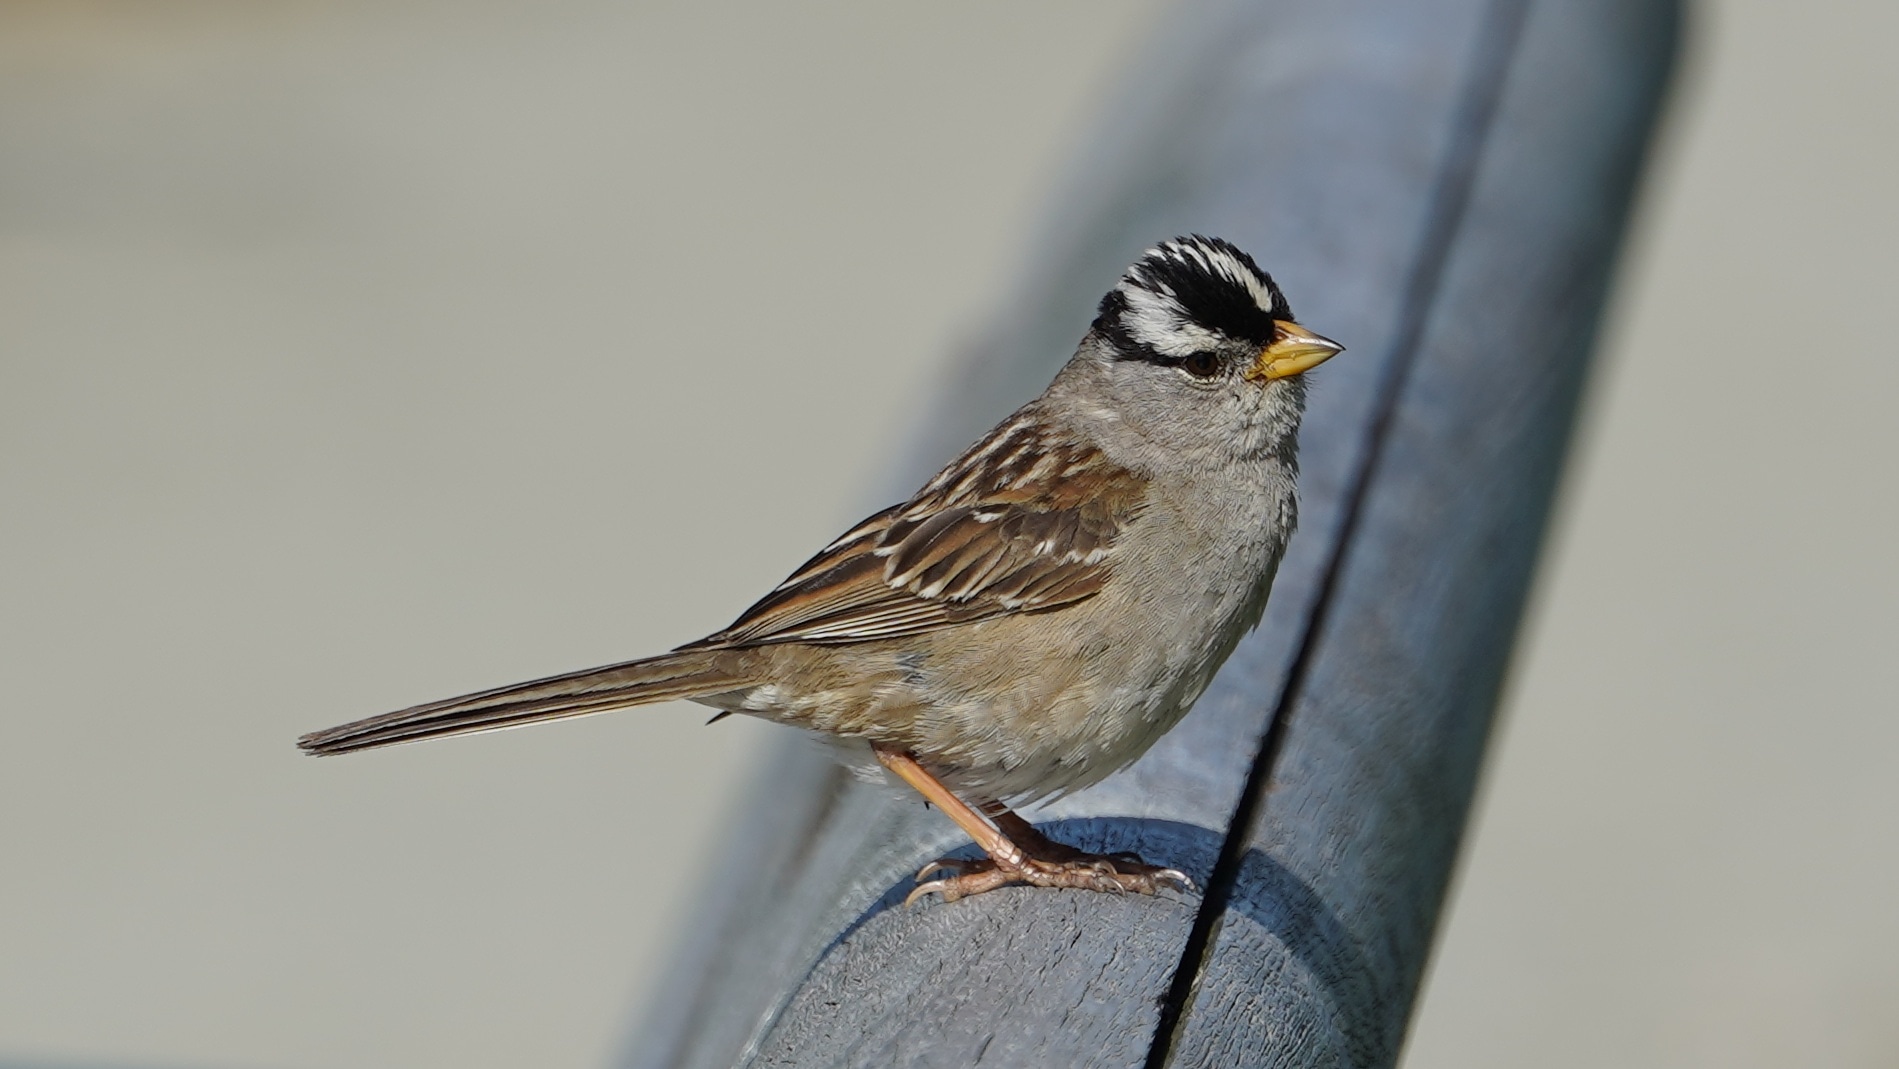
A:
[(1066, 867)]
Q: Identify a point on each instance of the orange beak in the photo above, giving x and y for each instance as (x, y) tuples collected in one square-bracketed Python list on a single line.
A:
[(1294, 350)]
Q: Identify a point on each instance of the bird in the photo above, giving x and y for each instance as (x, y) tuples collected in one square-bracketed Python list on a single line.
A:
[(1039, 612)]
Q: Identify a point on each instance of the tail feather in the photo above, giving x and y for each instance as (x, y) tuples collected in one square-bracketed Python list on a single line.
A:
[(592, 690)]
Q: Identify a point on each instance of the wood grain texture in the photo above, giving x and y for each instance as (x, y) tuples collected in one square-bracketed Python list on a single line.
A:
[(1464, 267)]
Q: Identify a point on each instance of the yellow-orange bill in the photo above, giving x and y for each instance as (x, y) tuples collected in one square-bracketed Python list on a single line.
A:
[(1294, 350)]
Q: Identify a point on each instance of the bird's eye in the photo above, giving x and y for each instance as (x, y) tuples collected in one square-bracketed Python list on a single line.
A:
[(1201, 365)]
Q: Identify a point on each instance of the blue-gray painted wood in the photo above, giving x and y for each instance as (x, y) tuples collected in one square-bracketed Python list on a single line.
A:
[(1441, 185)]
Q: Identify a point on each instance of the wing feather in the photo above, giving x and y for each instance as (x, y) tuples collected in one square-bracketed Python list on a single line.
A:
[(990, 535)]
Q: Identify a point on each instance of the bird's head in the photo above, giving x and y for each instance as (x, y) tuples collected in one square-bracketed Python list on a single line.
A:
[(1200, 350)]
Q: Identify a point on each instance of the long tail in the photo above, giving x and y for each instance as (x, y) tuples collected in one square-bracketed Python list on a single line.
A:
[(593, 690)]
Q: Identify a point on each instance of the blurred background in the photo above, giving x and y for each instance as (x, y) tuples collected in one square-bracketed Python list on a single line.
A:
[(354, 355)]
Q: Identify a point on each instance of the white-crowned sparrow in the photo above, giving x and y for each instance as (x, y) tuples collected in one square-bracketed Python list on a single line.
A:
[(1041, 611)]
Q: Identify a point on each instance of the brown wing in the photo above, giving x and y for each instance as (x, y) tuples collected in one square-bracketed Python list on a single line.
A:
[(1016, 524)]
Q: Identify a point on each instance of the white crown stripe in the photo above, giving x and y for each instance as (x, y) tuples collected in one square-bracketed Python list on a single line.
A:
[(1159, 322), (1206, 255)]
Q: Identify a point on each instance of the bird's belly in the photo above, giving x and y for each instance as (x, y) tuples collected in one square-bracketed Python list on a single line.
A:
[(1019, 708), (1077, 707)]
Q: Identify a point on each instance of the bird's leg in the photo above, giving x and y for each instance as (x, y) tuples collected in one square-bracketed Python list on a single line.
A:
[(1041, 847), (1017, 852), (992, 841), (1023, 834)]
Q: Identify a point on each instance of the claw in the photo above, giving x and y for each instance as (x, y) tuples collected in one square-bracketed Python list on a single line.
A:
[(955, 866), (921, 891), (1178, 878)]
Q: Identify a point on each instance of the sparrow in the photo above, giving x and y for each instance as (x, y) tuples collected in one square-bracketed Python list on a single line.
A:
[(1039, 612)]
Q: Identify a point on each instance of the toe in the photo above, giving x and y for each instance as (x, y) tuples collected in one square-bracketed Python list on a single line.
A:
[(974, 882)]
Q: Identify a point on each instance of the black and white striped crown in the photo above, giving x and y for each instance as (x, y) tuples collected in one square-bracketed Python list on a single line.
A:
[(1191, 294)]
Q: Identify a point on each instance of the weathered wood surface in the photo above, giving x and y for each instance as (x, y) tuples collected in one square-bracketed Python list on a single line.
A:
[(1441, 185)]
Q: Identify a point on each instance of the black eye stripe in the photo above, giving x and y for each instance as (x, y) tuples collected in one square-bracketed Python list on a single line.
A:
[(1201, 365)]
